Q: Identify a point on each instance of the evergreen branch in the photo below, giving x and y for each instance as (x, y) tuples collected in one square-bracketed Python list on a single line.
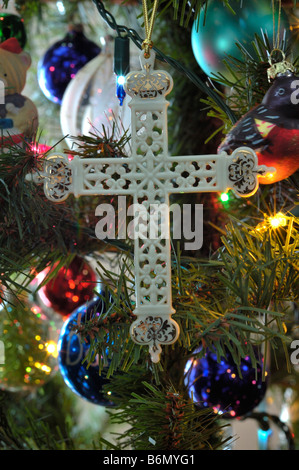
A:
[(111, 142), (162, 419), (27, 430), (233, 301), (36, 232), (228, 300)]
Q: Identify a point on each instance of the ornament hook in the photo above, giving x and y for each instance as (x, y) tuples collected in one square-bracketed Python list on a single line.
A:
[(283, 67)]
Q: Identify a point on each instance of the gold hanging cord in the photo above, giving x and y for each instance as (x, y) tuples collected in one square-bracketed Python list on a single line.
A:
[(276, 41), (283, 66), (149, 26)]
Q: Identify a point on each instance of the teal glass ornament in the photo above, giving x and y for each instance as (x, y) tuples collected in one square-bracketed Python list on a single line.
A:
[(214, 37)]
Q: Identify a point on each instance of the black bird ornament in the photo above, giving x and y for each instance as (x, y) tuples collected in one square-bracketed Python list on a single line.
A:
[(271, 129)]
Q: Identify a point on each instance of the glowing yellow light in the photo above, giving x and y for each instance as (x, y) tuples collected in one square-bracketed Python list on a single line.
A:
[(51, 348), (37, 338), (279, 220), (40, 346), (261, 227), (46, 369)]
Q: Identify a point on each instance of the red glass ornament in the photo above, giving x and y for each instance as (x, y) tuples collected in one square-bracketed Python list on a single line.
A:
[(71, 287), (1, 293)]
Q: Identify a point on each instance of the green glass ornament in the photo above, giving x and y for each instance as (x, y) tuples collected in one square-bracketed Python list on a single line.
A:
[(12, 26), (214, 37)]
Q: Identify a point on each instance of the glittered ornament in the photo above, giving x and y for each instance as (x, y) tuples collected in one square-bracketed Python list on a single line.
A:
[(72, 286), (62, 61), (84, 380), (218, 384), (217, 30), (271, 129), (29, 349), (12, 26)]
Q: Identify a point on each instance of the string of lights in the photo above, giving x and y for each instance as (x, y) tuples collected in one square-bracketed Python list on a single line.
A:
[(124, 31), (264, 432)]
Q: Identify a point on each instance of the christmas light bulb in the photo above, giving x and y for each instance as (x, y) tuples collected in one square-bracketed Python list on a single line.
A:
[(224, 197), (120, 80), (120, 91), (51, 348), (60, 7), (279, 220), (263, 438)]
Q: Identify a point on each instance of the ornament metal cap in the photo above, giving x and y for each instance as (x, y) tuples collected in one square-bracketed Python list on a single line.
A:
[(279, 68)]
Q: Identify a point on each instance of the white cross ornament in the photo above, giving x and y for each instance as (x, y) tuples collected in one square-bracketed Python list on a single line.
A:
[(150, 175)]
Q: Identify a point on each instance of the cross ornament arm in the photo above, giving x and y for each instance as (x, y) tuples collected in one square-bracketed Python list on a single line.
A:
[(150, 175)]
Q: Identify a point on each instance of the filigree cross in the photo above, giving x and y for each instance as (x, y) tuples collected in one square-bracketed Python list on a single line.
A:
[(150, 175)]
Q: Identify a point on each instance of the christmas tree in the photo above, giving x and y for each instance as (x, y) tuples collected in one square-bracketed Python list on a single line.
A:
[(84, 135)]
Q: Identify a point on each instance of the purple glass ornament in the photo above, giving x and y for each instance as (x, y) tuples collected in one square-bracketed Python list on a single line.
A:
[(62, 61), (218, 385)]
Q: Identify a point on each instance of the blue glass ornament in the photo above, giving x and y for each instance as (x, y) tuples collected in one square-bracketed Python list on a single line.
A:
[(84, 381), (214, 37), (62, 61), (218, 385)]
